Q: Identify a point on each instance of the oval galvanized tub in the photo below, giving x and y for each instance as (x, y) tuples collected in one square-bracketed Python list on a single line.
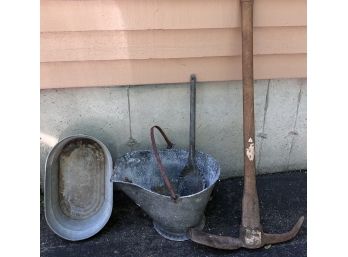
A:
[(78, 191)]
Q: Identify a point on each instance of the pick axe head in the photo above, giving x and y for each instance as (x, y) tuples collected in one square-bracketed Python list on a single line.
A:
[(251, 238)]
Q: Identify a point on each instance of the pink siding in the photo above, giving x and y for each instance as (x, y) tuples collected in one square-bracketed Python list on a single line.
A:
[(118, 42)]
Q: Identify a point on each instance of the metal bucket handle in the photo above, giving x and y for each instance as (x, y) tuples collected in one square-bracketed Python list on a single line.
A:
[(159, 162)]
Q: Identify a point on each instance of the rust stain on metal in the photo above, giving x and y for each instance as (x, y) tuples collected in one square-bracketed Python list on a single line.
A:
[(126, 179), (81, 178)]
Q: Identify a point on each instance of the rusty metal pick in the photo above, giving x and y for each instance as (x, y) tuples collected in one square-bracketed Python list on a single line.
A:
[(251, 233)]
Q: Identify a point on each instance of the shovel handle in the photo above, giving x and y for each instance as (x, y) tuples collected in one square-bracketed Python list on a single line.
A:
[(158, 159)]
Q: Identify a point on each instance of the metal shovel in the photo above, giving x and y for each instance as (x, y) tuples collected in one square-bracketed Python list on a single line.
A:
[(190, 181), (251, 232)]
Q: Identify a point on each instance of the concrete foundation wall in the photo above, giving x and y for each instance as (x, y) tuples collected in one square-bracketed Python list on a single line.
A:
[(117, 114)]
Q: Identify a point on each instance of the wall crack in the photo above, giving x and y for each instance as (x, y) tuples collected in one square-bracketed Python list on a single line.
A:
[(294, 133), (263, 135)]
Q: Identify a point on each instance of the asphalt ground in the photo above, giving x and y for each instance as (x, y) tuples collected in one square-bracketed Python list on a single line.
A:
[(130, 233)]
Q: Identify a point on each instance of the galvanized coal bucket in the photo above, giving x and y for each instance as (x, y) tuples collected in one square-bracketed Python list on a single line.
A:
[(149, 178)]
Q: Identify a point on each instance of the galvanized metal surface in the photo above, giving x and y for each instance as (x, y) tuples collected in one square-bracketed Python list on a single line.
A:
[(78, 191), (251, 232), (138, 175)]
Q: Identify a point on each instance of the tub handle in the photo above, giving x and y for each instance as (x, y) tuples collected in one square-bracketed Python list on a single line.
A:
[(159, 162)]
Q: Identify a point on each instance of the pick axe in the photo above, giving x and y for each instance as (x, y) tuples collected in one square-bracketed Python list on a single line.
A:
[(251, 232)]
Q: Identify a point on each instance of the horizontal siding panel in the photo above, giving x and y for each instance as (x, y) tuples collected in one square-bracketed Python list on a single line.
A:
[(118, 45), (156, 71), (82, 15)]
